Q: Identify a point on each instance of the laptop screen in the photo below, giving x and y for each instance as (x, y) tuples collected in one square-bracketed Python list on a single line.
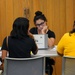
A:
[(41, 41)]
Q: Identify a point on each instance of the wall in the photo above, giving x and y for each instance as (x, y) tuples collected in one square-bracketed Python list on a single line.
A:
[(60, 15)]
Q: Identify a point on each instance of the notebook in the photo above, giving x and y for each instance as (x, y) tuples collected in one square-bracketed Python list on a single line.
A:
[(41, 41)]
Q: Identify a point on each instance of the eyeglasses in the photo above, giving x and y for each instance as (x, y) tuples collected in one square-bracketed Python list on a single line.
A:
[(40, 24)]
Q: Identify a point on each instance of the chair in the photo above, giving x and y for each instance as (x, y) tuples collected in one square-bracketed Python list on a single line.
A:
[(24, 66), (68, 66)]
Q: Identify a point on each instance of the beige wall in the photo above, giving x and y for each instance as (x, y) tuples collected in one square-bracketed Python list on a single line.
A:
[(60, 15)]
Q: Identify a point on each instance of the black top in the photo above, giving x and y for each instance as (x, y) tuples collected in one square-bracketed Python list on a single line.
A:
[(50, 33), (19, 48)]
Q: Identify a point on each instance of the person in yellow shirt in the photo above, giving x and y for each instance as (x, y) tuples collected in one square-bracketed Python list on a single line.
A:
[(66, 46)]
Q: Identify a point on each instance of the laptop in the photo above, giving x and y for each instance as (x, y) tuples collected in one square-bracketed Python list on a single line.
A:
[(41, 41)]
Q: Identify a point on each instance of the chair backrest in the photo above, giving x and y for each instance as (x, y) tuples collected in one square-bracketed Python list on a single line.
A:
[(24, 66), (68, 66)]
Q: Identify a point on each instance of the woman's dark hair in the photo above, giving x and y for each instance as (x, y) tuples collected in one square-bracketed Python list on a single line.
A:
[(39, 15), (73, 30), (20, 28)]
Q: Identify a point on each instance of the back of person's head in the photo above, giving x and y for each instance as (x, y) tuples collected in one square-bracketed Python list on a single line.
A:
[(20, 28), (39, 15), (73, 30)]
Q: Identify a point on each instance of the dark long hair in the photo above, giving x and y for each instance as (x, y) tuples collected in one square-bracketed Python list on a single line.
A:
[(73, 30), (39, 15), (20, 28)]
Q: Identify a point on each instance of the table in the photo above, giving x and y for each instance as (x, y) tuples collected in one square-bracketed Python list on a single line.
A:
[(46, 53), (49, 52)]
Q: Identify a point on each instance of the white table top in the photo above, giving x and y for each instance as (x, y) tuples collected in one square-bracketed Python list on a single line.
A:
[(47, 53)]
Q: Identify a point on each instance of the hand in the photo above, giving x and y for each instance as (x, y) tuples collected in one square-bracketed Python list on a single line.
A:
[(45, 29), (30, 35)]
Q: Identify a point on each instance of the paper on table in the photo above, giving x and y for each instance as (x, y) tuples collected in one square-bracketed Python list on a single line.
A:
[(54, 48)]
